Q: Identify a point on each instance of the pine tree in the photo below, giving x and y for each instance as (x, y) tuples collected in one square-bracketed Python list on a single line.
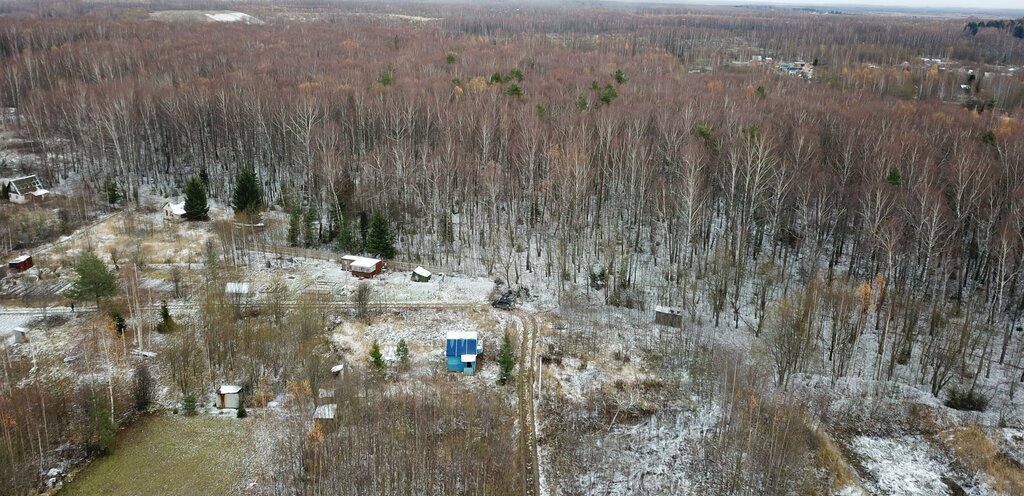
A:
[(380, 241), (94, 280), (619, 76), (376, 358), (248, 196), (103, 425), (166, 321), (113, 193), (506, 359), (310, 236), (364, 225), (402, 351), (142, 388), (196, 207), (189, 404), (119, 323), (346, 240), (294, 228), (894, 178), (608, 94)]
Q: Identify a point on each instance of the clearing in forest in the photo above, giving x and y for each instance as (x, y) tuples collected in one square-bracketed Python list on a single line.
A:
[(169, 454)]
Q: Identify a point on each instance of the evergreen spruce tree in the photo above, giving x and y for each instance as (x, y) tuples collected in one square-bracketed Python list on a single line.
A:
[(619, 76), (248, 196), (113, 192), (402, 351), (196, 207), (364, 225), (376, 357), (380, 241), (894, 178), (506, 359), (94, 280), (294, 228), (103, 425), (142, 387), (346, 240), (310, 236)]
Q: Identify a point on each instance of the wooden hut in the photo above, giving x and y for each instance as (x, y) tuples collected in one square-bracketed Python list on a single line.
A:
[(419, 274), (21, 264), (362, 267), (668, 316)]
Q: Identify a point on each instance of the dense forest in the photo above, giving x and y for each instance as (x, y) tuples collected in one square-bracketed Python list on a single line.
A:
[(868, 222)]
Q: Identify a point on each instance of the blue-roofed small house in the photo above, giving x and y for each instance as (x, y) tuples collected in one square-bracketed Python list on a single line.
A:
[(461, 350)]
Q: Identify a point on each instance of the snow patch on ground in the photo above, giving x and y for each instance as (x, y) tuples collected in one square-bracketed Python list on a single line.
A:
[(205, 16), (653, 457), (231, 17), (901, 465)]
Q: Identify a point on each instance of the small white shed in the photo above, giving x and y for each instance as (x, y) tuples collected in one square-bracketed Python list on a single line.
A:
[(20, 335), (227, 396), (174, 211), (237, 291), (325, 412)]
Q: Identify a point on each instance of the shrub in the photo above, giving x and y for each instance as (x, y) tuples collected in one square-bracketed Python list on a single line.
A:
[(241, 413), (970, 401)]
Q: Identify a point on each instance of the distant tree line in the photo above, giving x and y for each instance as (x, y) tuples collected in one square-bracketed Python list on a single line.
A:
[(1014, 27)]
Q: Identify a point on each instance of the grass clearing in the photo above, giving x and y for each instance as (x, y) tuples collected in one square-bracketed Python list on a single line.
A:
[(169, 454)]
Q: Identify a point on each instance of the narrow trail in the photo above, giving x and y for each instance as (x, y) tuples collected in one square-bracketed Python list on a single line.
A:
[(527, 405)]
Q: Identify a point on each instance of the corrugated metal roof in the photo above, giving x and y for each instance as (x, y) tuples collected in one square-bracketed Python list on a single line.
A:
[(325, 411), (236, 288), (230, 389), (464, 343)]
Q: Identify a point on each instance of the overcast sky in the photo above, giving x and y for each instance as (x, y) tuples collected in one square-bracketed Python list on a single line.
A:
[(980, 5)]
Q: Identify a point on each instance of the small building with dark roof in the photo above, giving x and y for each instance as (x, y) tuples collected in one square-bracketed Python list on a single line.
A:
[(25, 189)]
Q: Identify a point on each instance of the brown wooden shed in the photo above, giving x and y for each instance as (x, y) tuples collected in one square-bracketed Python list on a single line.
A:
[(668, 316), (21, 264)]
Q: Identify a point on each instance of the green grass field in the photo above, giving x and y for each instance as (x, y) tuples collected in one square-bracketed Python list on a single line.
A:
[(169, 455)]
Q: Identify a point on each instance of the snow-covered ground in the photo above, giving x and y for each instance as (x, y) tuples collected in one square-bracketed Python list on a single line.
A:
[(205, 16), (910, 465), (8, 322)]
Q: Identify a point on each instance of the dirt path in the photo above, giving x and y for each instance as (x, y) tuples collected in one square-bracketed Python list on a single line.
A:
[(527, 407)]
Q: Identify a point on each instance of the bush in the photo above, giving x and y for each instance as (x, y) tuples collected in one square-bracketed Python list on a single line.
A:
[(241, 413), (970, 401)]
